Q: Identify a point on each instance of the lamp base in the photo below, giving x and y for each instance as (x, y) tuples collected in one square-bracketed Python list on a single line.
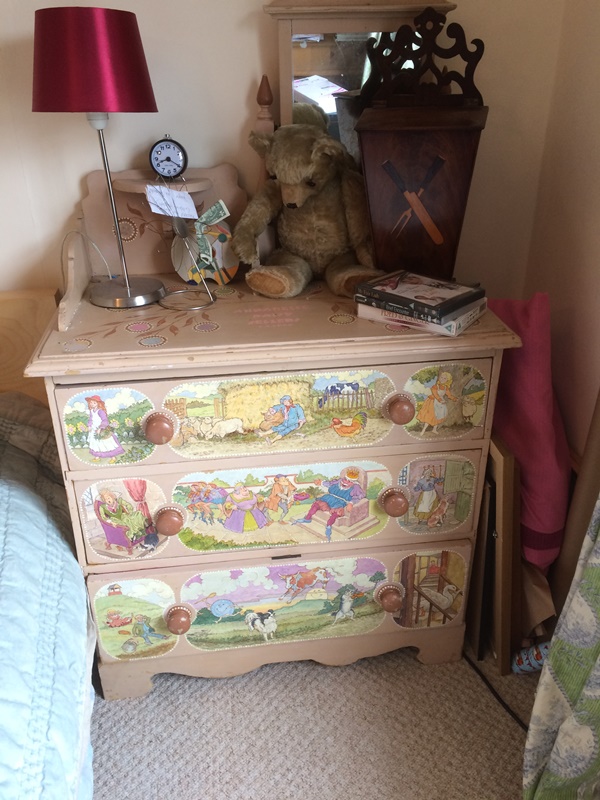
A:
[(114, 294)]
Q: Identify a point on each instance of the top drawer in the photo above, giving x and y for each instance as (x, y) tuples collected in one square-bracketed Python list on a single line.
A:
[(225, 416)]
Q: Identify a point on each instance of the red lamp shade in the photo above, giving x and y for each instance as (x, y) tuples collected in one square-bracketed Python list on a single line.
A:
[(90, 60)]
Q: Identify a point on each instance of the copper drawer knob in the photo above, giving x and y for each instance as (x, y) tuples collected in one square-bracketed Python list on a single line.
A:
[(159, 428), (400, 409), (394, 502), (169, 521), (390, 597), (178, 619)]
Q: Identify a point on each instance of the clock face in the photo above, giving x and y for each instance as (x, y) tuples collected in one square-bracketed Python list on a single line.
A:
[(168, 158)]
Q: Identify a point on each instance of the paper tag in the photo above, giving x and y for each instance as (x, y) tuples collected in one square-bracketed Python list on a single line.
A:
[(170, 202)]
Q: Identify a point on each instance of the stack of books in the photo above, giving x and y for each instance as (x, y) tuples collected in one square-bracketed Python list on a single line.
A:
[(417, 301)]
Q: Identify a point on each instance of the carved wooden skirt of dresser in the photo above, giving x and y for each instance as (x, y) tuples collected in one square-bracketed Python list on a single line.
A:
[(269, 480)]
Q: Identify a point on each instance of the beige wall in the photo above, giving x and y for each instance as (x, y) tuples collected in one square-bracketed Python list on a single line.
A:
[(564, 259), (515, 77), (530, 221), (206, 58)]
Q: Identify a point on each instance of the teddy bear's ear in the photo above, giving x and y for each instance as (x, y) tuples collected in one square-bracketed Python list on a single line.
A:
[(261, 142), (329, 147)]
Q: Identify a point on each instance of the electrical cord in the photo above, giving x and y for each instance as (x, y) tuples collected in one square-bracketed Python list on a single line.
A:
[(163, 302), (85, 237), (495, 693)]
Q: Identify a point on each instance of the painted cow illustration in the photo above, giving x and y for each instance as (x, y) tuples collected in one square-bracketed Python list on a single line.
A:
[(295, 584)]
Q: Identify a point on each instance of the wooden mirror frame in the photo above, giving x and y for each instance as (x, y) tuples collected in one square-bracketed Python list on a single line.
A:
[(334, 16)]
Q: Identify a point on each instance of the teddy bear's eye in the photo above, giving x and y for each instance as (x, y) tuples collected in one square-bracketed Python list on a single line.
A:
[(310, 183), (272, 177)]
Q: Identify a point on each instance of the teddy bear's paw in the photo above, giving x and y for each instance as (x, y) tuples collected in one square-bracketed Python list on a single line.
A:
[(270, 283), (245, 248), (344, 283)]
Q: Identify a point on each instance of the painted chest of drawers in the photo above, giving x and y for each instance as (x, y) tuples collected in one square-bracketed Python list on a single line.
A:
[(267, 480)]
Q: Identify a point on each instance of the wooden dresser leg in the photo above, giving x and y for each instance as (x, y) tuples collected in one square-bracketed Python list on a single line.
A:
[(442, 646)]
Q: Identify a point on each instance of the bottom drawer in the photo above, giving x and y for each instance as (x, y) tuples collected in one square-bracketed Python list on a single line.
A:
[(225, 620)]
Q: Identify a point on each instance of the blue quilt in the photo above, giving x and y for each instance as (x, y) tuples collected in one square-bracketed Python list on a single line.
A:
[(46, 636)]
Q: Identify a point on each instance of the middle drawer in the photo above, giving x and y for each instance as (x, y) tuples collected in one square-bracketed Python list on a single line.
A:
[(180, 513)]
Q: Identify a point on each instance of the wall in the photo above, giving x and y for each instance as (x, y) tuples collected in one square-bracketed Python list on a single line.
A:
[(533, 202), (205, 57), (565, 247), (515, 77)]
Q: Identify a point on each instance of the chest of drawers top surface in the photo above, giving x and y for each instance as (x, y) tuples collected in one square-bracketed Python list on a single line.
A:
[(242, 332)]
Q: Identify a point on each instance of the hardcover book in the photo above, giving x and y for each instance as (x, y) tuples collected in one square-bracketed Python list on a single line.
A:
[(452, 328), (418, 296)]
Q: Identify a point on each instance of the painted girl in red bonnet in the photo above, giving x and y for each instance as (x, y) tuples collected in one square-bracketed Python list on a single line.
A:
[(102, 440)]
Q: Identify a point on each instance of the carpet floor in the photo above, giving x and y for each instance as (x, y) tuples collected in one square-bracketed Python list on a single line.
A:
[(384, 728)]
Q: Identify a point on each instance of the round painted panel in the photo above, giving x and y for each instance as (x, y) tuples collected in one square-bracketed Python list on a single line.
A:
[(281, 413), (434, 583), (284, 602), (266, 507), (103, 426), (117, 516), (450, 401), (441, 492), (129, 616)]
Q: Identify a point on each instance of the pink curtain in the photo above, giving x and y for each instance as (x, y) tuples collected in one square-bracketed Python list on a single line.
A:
[(527, 419)]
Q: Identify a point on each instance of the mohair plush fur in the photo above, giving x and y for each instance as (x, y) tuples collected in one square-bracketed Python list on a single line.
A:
[(317, 198)]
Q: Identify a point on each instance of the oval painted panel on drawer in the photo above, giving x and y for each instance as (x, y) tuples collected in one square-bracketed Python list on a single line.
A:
[(118, 514), (103, 426), (130, 618), (450, 401), (434, 583), (284, 602), (293, 412), (441, 490), (264, 507)]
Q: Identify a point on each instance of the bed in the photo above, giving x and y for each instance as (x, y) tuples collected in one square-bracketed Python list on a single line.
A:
[(47, 640)]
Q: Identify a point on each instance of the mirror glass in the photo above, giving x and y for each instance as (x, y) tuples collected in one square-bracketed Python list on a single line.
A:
[(325, 64)]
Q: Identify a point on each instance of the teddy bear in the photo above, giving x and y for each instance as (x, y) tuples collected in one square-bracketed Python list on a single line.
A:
[(316, 198)]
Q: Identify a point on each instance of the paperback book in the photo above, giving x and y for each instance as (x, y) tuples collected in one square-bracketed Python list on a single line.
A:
[(429, 299), (451, 328), (383, 305)]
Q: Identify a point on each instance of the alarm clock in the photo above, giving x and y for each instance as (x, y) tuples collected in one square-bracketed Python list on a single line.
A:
[(168, 158)]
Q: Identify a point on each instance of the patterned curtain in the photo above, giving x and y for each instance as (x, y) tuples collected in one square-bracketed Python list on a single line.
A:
[(137, 492), (562, 751)]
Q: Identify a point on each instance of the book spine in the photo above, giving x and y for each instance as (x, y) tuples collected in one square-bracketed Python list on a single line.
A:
[(398, 308), (481, 304), (413, 308), (451, 328)]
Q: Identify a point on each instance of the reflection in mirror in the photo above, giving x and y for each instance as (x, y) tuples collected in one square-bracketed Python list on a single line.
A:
[(325, 64), (329, 70)]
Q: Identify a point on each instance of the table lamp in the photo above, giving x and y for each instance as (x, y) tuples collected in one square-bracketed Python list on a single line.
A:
[(92, 60)]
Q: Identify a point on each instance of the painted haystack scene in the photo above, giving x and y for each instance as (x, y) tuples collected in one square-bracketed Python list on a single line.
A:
[(291, 412)]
